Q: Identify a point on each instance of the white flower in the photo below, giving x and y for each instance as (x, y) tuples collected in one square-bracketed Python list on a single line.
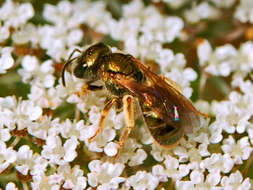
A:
[(235, 182), (138, 158), (25, 159), (29, 163), (69, 129), (69, 148), (4, 133), (220, 62), (42, 182), (245, 58), (244, 11), (11, 186), (239, 150), (224, 3), (201, 11), (41, 128), (142, 180), (153, 27), (131, 152), (69, 178), (40, 75), (7, 156), (175, 4), (45, 98), (172, 170), (204, 51), (64, 32), (231, 115), (6, 60), (200, 182), (57, 153), (217, 163), (72, 86), (104, 137), (14, 14), (226, 59), (18, 113), (106, 174), (4, 32), (211, 180), (25, 34), (111, 149)]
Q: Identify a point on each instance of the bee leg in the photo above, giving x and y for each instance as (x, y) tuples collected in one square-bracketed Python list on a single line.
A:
[(129, 111), (87, 87), (104, 113), (94, 88)]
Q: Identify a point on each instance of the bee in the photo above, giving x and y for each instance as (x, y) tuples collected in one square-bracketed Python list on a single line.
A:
[(167, 113)]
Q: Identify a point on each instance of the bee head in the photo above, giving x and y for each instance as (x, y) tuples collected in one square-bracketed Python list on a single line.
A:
[(84, 65)]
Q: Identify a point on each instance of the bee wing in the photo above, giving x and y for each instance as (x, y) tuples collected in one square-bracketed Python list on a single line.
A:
[(162, 98)]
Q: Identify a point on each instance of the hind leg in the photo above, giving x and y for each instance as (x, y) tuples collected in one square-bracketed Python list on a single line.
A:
[(129, 111)]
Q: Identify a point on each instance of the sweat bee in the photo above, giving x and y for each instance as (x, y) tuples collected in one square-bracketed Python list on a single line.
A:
[(166, 112)]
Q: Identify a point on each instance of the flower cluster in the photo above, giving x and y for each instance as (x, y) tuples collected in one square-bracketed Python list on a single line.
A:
[(45, 132)]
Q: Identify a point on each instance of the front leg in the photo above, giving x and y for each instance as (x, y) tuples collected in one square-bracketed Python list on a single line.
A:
[(88, 87), (104, 113), (129, 111)]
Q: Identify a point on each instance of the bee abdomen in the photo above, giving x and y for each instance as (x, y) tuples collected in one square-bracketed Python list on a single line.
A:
[(164, 133)]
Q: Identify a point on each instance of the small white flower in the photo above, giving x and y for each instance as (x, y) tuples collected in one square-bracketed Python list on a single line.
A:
[(7, 156), (4, 32), (18, 114), (53, 150), (111, 149), (69, 129), (105, 173), (6, 60), (138, 158), (201, 11), (25, 34), (175, 4), (75, 36), (24, 159), (45, 98), (29, 163), (41, 182), (70, 178), (235, 181), (11, 186), (172, 169), (204, 51), (41, 128), (14, 14), (142, 180), (218, 162), (224, 3), (245, 58), (70, 149), (40, 75), (131, 152), (239, 150), (200, 182), (244, 11)]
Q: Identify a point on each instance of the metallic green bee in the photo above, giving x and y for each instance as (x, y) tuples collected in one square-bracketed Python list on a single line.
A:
[(166, 112)]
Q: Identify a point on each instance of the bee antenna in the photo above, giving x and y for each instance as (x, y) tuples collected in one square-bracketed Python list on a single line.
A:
[(68, 62)]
